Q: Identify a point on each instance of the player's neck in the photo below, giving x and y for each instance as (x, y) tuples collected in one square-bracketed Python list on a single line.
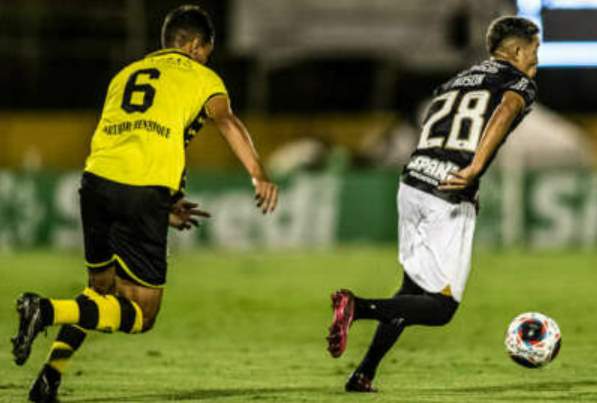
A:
[(511, 62)]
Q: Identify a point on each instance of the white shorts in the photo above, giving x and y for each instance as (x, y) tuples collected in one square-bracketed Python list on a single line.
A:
[(435, 240)]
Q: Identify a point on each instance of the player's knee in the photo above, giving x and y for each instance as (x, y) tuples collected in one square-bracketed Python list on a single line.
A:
[(103, 282), (447, 311)]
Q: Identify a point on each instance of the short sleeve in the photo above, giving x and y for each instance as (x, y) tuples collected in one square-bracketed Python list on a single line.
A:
[(214, 85), (524, 87)]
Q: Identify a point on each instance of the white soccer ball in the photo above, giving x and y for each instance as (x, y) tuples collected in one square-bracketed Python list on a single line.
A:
[(533, 339)]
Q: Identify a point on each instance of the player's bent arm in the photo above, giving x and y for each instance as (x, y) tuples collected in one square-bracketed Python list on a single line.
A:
[(232, 129), (496, 130), (509, 108), (238, 138)]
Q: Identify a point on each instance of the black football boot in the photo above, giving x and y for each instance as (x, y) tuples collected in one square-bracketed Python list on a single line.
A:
[(359, 383), (30, 324), (45, 387)]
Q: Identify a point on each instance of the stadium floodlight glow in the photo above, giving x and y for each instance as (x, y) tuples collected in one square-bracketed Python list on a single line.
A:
[(560, 53), (569, 4), (568, 54)]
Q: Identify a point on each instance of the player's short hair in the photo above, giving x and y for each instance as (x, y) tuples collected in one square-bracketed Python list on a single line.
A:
[(185, 23), (508, 27)]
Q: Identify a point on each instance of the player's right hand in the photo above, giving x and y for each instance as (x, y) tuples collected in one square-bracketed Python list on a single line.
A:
[(184, 213), (459, 180), (266, 194)]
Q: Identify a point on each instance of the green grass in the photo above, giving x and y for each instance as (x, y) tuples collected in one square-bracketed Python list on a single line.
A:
[(242, 327)]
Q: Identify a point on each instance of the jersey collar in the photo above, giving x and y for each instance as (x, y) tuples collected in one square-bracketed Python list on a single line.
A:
[(169, 51)]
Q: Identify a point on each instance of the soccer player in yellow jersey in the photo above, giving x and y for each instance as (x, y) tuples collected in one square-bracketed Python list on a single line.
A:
[(131, 191)]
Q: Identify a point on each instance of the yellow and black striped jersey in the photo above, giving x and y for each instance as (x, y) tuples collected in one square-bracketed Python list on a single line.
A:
[(153, 107)]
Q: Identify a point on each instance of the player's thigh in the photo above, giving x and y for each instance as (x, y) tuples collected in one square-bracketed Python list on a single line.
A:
[(410, 214), (97, 219), (449, 232), (103, 281), (408, 287), (139, 236)]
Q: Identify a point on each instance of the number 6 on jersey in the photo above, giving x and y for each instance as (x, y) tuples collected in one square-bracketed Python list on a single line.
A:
[(133, 90)]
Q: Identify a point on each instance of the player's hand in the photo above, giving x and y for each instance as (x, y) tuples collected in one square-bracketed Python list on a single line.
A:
[(184, 215), (266, 194), (459, 180)]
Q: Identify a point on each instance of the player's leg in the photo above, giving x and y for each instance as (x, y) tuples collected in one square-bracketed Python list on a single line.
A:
[(71, 337), (394, 315), (136, 239), (435, 241), (119, 305), (35, 313), (424, 309), (45, 387), (343, 301), (136, 309), (97, 307), (386, 335)]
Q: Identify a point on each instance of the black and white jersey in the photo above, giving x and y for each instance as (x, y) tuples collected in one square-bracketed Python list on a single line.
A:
[(455, 121)]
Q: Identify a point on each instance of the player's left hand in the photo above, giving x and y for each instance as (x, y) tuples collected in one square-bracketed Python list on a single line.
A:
[(459, 180), (266, 194), (183, 215)]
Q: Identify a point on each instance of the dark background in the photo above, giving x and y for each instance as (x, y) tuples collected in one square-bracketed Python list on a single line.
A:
[(60, 55)]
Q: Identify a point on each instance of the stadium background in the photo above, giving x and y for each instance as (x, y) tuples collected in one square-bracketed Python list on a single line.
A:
[(332, 92)]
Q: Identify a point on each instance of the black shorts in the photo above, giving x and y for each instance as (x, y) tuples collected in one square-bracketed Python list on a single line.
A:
[(126, 226)]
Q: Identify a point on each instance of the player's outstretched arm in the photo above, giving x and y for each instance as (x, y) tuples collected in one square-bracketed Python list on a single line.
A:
[(511, 105), (232, 129)]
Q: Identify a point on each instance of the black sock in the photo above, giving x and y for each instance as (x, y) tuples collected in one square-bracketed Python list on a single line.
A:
[(68, 341), (395, 314), (385, 337), (421, 309), (51, 373), (47, 312), (365, 309)]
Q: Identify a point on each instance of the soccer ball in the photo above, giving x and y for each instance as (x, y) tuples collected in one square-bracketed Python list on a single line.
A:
[(533, 339)]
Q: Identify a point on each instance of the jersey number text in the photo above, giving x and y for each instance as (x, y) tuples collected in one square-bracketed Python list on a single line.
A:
[(139, 97), (472, 107)]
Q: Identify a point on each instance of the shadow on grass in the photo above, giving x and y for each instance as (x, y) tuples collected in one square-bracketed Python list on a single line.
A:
[(543, 391), (521, 387), (7, 386), (205, 394)]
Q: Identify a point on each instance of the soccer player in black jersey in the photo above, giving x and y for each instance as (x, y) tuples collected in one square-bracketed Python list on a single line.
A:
[(131, 191), (468, 120)]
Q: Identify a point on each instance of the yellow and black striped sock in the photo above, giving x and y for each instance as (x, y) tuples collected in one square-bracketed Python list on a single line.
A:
[(69, 339), (93, 311)]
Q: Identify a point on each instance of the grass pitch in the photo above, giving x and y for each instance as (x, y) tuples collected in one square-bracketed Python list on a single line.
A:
[(241, 327)]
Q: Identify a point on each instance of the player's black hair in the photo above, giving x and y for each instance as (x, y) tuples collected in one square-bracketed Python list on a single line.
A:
[(507, 27), (184, 23)]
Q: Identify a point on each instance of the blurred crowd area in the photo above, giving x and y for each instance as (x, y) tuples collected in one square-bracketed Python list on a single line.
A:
[(333, 92), (313, 79)]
